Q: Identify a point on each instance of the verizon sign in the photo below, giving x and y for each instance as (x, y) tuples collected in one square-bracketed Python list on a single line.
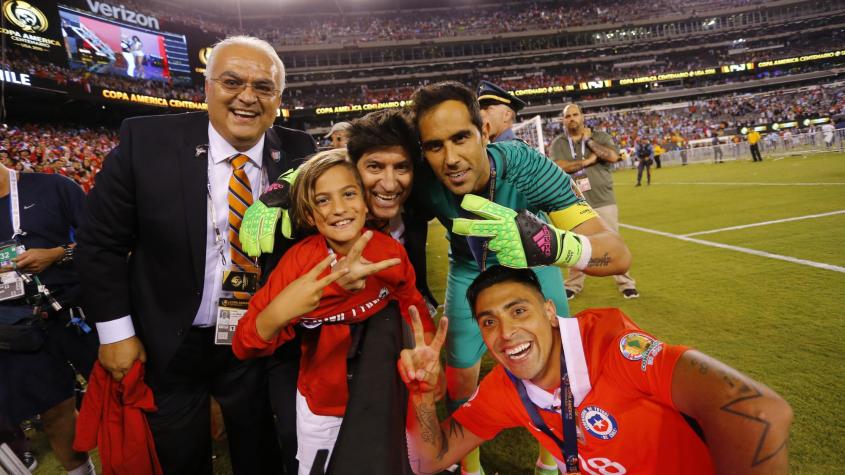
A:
[(123, 14)]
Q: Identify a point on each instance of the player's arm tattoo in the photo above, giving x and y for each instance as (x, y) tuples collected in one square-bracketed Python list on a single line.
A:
[(430, 432), (602, 261), (605, 153), (749, 393), (744, 394)]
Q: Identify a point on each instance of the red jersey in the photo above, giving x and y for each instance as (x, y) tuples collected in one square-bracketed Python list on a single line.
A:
[(322, 370), (621, 380)]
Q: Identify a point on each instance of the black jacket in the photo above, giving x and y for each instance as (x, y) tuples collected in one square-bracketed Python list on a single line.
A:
[(141, 245)]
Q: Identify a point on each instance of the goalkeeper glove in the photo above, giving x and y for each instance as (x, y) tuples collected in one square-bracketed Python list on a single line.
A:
[(521, 239), (258, 227)]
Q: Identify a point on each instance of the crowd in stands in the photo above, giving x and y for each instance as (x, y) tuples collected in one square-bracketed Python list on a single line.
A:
[(492, 18), (76, 153), (673, 127), (400, 89), (397, 90), (84, 80)]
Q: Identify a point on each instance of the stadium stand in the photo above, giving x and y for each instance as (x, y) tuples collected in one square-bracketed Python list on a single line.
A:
[(75, 152)]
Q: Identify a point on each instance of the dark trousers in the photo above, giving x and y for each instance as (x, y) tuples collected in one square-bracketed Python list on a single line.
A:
[(717, 154), (657, 161), (182, 426), (647, 165), (372, 437), (755, 152)]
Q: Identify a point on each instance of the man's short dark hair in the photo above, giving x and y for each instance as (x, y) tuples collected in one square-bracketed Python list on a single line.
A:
[(500, 274), (382, 129), (429, 97)]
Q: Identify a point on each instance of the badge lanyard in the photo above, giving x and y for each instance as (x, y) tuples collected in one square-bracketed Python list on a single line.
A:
[(218, 235), (572, 148), (478, 246), (14, 209), (569, 445)]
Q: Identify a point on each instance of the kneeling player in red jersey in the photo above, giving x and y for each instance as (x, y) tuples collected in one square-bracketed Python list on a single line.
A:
[(633, 403)]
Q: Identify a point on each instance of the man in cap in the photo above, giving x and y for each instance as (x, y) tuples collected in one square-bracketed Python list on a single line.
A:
[(498, 108), (339, 135)]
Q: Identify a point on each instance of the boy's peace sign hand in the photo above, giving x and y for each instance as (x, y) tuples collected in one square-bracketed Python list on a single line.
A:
[(359, 267), (419, 367), (303, 294)]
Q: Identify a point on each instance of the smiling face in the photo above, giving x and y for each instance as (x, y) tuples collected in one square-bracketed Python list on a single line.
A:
[(454, 147), (338, 210), (387, 174), (518, 327), (242, 118)]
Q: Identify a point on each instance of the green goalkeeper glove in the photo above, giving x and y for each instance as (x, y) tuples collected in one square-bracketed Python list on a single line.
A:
[(520, 239), (258, 228)]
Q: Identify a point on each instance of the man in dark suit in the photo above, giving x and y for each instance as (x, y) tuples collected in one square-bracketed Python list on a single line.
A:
[(159, 232)]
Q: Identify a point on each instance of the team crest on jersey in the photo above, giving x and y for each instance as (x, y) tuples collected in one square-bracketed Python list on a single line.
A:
[(599, 423), (640, 347)]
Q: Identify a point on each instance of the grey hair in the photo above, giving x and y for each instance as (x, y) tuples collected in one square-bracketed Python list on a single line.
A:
[(249, 41)]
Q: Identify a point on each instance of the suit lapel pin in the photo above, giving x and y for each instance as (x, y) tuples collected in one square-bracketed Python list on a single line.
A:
[(201, 150), (275, 155)]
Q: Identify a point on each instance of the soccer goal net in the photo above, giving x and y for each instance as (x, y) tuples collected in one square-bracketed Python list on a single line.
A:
[(531, 131)]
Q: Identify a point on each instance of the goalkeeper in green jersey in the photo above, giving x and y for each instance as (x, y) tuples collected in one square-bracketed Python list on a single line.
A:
[(520, 207), (504, 203)]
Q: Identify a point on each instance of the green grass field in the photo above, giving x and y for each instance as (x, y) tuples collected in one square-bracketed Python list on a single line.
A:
[(781, 322)]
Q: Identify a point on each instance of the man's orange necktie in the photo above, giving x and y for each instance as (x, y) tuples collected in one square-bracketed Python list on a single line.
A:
[(240, 198)]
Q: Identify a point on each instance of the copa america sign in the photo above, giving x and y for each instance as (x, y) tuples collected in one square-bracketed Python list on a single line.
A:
[(123, 14)]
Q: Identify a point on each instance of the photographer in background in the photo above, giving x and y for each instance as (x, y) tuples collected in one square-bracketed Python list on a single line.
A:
[(645, 157), (41, 332)]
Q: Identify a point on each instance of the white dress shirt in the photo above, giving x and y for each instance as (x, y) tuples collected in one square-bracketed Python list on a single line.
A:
[(219, 172)]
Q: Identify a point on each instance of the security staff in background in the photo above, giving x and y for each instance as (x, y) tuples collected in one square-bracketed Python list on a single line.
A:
[(754, 145), (498, 108), (589, 157)]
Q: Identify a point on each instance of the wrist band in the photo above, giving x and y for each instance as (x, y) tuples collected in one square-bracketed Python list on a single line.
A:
[(586, 252), (68, 254)]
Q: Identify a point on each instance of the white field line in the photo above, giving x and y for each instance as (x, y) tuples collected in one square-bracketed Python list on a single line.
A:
[(766, 223), (794, 260), (719, 183)]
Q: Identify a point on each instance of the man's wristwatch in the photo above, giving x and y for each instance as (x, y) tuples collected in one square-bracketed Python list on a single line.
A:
[(68, 255)]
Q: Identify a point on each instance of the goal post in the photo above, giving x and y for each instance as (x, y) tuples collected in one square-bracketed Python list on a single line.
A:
[(531, 132)]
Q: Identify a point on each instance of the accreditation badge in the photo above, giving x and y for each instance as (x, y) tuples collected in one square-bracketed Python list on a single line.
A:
[(240, 281), (583, 184), (229, 313), (11, 284)]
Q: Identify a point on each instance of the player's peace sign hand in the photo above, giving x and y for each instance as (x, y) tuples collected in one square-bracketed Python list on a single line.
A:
[(359, 268), (419, 367), (303, 294)]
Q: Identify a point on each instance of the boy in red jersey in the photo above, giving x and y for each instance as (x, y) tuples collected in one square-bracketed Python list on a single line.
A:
[(632, 403), (328, 201)]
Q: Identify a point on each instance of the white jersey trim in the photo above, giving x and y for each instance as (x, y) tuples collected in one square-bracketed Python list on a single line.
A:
[(576, 363)]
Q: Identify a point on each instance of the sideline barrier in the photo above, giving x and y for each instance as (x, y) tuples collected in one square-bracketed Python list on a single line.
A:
[(774, 147)]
